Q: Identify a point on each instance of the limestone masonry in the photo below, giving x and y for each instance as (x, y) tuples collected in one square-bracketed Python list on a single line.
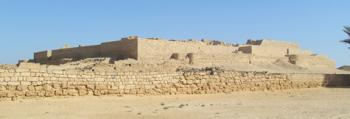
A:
[(203, 52), (151, 66), (25, 83)]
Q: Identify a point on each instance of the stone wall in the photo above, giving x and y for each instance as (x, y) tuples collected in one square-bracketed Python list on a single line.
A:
[(43, 83), (122, 49), (312, 61), (42, 57), (272, 50), (152, 49), (76, 53), (206, 53)]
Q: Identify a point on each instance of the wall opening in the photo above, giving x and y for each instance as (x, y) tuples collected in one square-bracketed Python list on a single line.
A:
[(175, 56)]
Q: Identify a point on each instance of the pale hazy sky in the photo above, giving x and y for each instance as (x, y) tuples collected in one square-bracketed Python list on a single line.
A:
[(33, 25)]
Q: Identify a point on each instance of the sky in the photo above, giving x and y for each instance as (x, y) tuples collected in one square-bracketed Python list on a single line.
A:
[(28, 26)]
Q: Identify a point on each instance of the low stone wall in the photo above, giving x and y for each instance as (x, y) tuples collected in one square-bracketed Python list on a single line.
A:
[(43, 83)]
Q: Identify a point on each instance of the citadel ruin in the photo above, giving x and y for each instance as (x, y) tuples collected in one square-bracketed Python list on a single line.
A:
[(202, 52), (154, 66)]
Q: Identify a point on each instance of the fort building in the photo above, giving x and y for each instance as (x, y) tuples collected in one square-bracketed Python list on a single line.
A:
[(153, 66), (202, 52)]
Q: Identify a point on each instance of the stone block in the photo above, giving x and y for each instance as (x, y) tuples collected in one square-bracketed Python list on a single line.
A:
[(97, 93), (21, 87), (64, 86), (114, 91), (25, 83), (83, 92), (47, 87), (3, 94), (104, 92), (31, 88), (102, 87), (56, 86), (41, 93), (90, 87), (11, 87), (49, 93), (38, 88), (70, 92), (2, 88), (81, 87), (31, 94), (20, 93), (59, 93), (25, 74)]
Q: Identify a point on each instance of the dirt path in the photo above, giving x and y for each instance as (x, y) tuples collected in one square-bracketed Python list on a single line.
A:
[(320, 103)]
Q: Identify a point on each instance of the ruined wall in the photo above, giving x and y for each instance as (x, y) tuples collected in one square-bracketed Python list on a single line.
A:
[(76, 53), (222, 59), (201, 52), (43, 83), (271, 48), (126, 48), (123, 49), (271, 51), (344, 68), (41, 57), (163, 49), (232, 59), (312, 61), (277, 43)]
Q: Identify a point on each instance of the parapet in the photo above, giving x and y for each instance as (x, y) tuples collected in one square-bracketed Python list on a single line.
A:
[(311, 61), (186, 52), (254, 42), (271, 48), (270, 42), (345, 68), (122, 49)]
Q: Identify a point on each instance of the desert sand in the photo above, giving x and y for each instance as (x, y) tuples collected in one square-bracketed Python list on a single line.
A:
[(316, 103)]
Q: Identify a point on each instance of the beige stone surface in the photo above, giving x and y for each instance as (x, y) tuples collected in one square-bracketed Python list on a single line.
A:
[(317, 103), (255, 80), (156, 51), (152, 66), (151, 49), (23, 82)]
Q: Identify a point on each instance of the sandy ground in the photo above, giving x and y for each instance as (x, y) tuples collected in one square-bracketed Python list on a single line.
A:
[(318, 103)]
